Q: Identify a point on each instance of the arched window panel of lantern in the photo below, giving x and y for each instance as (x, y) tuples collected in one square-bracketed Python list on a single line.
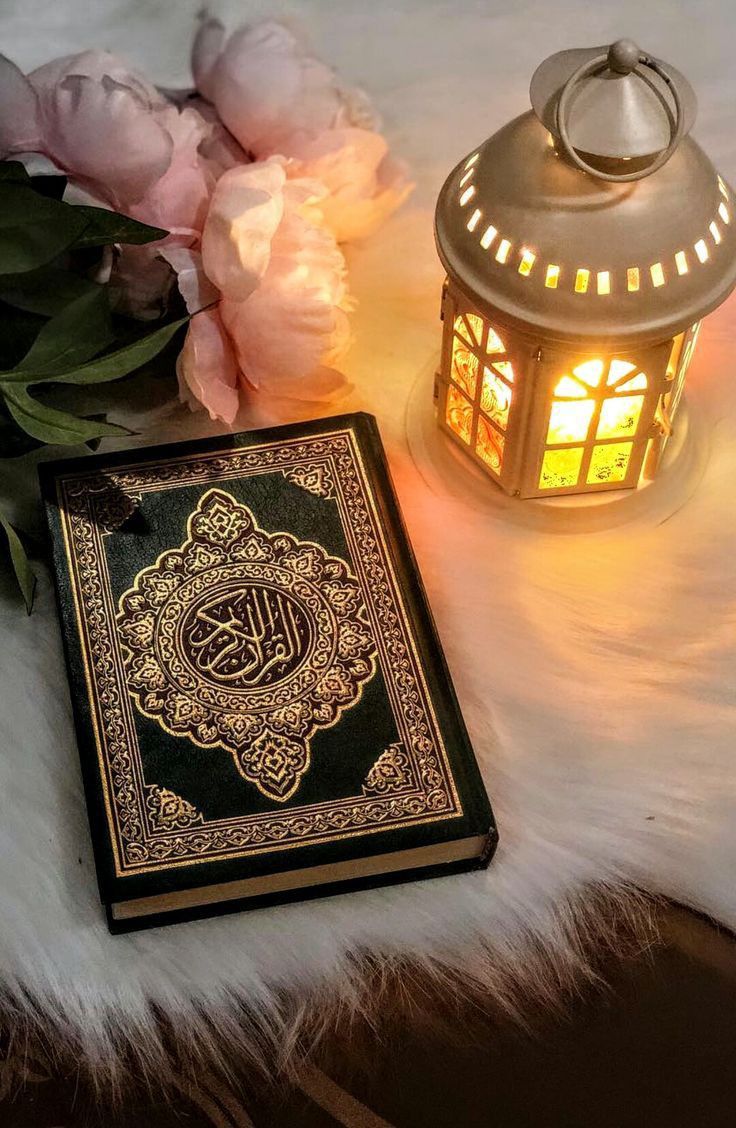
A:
[(479, 400), (593, 419)]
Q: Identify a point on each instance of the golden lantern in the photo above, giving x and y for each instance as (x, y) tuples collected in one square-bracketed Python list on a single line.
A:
[(583, 243)]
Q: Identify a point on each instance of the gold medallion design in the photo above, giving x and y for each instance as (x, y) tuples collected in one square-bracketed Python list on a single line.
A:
[(391, 774), (246, 640)]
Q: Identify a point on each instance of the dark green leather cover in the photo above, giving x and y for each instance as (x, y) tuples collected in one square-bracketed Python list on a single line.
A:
[(256, 679)]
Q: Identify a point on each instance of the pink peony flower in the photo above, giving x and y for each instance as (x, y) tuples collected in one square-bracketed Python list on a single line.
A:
[(280, 275), (112, 133), (265, 86), (256, 180), (276, 98), (207, 369)]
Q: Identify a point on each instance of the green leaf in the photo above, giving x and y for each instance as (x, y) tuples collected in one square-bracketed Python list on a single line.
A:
[(105, 227), (52, 426), (33, 228), (50, 185), (21, 567), (82, 329), (117, 364), (13, 170), (46, 291)]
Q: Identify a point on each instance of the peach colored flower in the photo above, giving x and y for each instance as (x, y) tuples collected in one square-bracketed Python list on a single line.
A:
[(277, 98), (281, 275), (364, 184)]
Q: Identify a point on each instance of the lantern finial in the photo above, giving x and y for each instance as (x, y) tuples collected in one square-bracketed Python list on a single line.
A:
[(623, 55)]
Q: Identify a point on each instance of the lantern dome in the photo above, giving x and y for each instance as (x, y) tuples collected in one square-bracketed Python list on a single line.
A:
[(594, 216)]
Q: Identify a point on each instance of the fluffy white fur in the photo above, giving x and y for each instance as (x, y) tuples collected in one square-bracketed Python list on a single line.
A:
[(596, 670)]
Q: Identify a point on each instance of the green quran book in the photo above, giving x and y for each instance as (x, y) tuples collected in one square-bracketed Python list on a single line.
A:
[(262, 706)]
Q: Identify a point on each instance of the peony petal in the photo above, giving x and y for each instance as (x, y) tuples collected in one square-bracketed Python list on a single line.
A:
[(140, 282), (245, 212), (219, 149), (102, 131), (194, 285), (178, 201), (268, 89), (364, 184), (19, 121), (296, 320), (96, 64), (207, 368), (206, 49)]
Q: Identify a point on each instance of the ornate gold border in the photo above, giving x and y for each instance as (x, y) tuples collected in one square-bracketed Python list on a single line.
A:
[(84, 500)]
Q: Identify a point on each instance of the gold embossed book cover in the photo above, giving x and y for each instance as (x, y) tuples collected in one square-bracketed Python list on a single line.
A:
[(262, 705)]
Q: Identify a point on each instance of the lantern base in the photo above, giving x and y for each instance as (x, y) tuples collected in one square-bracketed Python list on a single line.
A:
[(450, 474)]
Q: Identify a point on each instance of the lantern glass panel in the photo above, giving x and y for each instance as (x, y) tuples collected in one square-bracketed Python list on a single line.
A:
[(459, 414), (589, 398), (679, 362), (489, 445), (561, 468), (609, 462), (495, 398), (464, 366), (619, 417)]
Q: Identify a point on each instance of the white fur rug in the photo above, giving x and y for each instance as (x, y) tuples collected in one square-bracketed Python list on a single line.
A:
[(596, 668)]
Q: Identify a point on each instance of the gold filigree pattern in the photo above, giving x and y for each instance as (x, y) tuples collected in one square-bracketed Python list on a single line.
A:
[(392, 773), (315, 478), (251, 651), (168, 811), (135, 849)]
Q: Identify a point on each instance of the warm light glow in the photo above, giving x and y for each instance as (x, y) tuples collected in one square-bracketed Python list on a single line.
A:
[(588, 407), (466, 176), (504, 367), (701, 250), (552, 277), (609, 463), (637, 384), (503, 250), (604, 282), (459, 414), (619, 417), (617, 369), (476, 327), (527, 262), (467, 195), (581, 281), (632, 279), (722, 187), (464, 367), (495, 398), (489, 445), (723, 213), (462, 330), (677, 366), (488, 236), (473, 221), (471, 160), (560, 468), (715, 232), (569, 387), (681, 262), (590, 371), (657, 274), (569, 421), (494, 343)]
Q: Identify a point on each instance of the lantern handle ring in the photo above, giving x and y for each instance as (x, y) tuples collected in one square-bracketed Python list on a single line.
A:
[(590, 67)]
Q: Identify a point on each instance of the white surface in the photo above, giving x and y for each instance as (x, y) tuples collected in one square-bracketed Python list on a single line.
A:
[(596, 670)]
